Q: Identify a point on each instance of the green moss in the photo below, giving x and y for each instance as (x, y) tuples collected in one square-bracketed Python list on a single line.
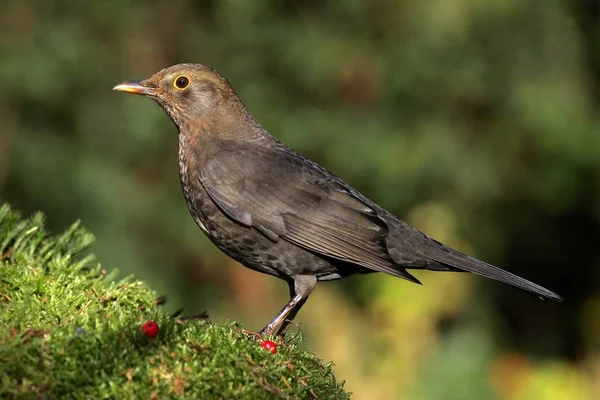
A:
[(67, 330)]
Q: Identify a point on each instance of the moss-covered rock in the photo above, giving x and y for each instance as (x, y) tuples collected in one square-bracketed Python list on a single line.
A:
[(68, 330)]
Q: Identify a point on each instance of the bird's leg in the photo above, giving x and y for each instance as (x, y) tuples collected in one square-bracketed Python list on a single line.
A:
[(300, 288), (285, 325), (280, 318)]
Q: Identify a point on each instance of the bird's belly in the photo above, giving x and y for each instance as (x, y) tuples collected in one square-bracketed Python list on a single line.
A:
[(250, 247)]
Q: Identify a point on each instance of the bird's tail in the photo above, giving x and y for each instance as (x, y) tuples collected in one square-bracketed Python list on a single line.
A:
[(456, 260)]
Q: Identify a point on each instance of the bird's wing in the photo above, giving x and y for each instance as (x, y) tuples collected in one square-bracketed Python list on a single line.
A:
[(286, 197), (289, 198)]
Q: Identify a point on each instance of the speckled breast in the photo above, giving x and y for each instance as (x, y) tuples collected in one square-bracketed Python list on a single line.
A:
[(244, 244)]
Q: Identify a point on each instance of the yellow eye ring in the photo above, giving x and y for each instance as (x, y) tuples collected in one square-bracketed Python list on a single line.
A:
[(181, 82)]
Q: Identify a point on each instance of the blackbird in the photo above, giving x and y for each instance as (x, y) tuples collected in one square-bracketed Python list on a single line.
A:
[(277, 212)]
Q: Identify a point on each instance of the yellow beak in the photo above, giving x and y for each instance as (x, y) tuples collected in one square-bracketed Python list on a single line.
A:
[(135, 87)]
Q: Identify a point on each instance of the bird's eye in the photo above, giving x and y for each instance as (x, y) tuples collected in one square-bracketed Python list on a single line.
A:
[(181, 82)]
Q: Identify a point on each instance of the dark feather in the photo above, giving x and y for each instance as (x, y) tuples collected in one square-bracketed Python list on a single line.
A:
[(470, 264)]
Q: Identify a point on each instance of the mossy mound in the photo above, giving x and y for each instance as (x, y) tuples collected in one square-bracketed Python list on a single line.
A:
[(68, 330)]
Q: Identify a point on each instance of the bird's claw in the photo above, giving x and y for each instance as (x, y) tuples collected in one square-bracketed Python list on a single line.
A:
[(251, 335)]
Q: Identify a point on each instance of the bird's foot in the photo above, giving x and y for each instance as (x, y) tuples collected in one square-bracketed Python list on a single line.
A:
[(251, 335)]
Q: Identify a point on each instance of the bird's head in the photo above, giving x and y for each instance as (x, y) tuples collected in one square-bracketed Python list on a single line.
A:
[(187, 92)]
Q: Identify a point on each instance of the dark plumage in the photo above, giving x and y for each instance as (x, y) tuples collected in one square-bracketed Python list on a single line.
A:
[(279, 213)]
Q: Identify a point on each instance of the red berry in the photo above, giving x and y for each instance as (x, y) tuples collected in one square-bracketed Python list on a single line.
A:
[(150, 329), (269, 346)]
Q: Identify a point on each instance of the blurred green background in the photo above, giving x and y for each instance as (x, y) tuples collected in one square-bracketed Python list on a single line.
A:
[(475, 120)]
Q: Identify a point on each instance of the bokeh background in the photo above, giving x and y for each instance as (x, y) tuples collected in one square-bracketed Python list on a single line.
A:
[(475, 120)]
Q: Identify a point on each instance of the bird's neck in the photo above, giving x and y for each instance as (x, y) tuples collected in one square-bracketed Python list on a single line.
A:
[(213, 133)]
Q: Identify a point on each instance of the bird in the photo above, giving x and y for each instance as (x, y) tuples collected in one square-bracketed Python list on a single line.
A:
[(277, 212)]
